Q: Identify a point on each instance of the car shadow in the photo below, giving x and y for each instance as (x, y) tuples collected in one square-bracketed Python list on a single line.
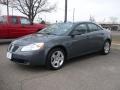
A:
[(30, 68), (82, 58), (5, 43)]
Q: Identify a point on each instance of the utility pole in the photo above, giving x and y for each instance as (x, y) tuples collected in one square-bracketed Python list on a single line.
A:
[(12, 10), (12, 7), (7, 7), (65, 20), (73, 15)]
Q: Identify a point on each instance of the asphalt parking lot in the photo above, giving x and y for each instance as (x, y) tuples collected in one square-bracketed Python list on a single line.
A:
[(91, 72)]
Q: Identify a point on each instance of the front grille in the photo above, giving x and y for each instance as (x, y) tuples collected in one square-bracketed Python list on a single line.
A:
[(13, 48), (19, 61)]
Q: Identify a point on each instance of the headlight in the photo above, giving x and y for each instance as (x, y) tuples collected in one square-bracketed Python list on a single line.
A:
[(32, 47)]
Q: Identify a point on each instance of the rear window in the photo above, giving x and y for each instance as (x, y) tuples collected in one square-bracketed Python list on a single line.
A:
[(3, 19)]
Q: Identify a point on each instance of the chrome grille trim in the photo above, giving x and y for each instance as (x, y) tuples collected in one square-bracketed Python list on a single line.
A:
[(13, 48)]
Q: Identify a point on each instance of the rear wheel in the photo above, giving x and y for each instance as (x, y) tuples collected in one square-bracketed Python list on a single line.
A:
[(106, 48), (55, 59)]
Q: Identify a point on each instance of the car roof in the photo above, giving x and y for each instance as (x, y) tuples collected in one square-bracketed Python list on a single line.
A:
[(75, 23), (13, 16), (84, 22)]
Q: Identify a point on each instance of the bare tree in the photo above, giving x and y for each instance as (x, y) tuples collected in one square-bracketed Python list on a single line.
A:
[(113, 20), (31, 8), (92, 19), (5, 2), (0, 11)]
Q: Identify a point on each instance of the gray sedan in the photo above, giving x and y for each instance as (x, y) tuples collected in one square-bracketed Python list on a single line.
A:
[(55, 44)]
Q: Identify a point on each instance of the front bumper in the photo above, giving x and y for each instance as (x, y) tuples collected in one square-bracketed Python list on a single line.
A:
[(28, 58)]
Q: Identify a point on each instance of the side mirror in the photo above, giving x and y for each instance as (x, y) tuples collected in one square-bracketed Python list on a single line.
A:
[(76, 32)]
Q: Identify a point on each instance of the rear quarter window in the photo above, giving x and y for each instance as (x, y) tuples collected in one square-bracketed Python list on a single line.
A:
[(3, 19), (94, 27)]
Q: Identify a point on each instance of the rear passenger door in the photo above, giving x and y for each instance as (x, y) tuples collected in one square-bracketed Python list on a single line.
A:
[(3, 27), (26, 26), (13, 27), (95, 36)]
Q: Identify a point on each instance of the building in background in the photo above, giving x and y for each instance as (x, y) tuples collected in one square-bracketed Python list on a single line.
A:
[(112, 27)]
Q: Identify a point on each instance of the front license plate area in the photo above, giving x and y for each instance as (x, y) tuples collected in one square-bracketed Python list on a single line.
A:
[(9, 55)]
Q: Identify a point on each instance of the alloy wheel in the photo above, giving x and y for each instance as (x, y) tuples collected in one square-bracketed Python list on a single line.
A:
[(106, 47), (57, 59)]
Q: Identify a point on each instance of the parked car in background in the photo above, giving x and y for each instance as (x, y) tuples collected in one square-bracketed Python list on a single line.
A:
[(55, 44), (17, 26)]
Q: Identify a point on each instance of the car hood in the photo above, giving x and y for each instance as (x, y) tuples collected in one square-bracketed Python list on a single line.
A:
[(34, 38)]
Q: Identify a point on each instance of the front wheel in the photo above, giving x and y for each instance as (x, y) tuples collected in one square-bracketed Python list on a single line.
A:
[(106, 48), (55, 59)]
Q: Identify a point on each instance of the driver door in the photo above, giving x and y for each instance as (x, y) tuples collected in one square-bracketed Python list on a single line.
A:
[(80, 40)]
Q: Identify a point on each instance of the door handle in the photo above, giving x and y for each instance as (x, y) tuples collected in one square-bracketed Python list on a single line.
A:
[(87, 37)]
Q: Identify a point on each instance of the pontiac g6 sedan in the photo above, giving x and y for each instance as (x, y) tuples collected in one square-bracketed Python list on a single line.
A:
[(55, 44)]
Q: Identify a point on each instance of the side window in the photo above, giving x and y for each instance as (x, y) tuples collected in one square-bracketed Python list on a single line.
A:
[(14, 20), (24, 21), (93, 27), (80, 29), (3, 19)]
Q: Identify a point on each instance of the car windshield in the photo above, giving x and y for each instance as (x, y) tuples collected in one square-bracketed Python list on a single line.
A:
[(57, 29)]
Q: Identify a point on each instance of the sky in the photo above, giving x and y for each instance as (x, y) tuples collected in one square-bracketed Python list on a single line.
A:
[(101, 10)]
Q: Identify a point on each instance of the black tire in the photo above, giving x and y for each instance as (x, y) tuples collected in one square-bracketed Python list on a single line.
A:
[(51, 59), (106, 47)]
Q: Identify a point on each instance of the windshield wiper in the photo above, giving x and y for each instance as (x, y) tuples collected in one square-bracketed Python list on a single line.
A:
[(39, 33), (48, 33), (51, 33)]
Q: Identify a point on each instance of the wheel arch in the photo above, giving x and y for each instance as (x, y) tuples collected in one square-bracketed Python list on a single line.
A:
[(109, 40), (61, 47)]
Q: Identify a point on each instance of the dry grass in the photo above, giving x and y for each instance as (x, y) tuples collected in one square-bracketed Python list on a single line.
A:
[(116, 38)]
